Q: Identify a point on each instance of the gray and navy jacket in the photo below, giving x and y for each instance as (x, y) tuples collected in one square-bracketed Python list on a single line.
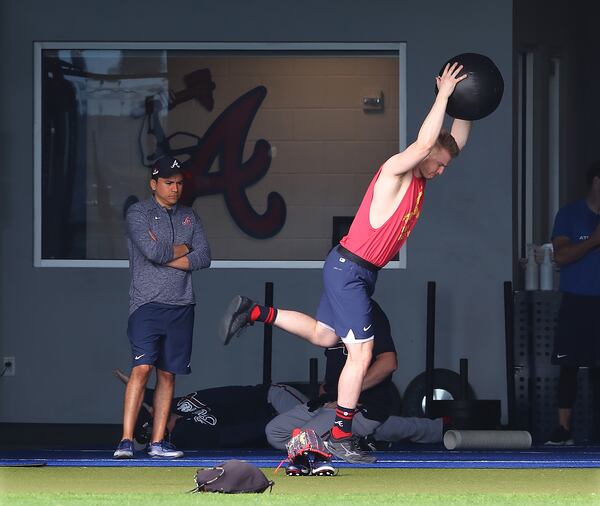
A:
[(151, 279)]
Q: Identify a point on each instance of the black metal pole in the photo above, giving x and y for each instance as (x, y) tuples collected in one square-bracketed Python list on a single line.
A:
[(509, 333), (594, 379), (268, 338), (314, 377), (464, 379), (430, 347)]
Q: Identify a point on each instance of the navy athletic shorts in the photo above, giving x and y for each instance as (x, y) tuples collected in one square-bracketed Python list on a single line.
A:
[(346, 305), (577, 337), (161, 335)]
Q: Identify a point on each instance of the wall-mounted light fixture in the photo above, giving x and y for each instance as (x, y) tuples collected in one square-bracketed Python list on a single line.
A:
[(373, 103)]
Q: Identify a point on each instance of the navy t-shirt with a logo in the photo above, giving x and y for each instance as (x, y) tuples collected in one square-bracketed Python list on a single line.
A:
[(222, 417), (577, 222)]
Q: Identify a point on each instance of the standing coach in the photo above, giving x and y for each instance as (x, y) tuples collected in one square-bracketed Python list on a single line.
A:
[(166, 242)]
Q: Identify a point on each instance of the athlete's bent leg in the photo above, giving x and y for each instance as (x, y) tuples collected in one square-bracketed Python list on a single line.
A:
[(242, 312), (305, 327)]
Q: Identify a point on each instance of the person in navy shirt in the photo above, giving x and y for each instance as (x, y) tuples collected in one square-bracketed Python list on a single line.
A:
[(576, 242)]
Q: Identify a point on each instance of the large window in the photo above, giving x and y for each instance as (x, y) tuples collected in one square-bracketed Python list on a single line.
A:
[(278, 143)]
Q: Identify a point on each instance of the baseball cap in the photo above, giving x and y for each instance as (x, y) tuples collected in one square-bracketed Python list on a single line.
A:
[(165, 167)]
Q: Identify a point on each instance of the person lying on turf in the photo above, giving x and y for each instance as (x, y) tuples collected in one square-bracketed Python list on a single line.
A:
[(222, 417), (374, 421), (210, 418)]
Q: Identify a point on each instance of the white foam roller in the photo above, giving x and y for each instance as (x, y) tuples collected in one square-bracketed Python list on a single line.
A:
[(487, 439)]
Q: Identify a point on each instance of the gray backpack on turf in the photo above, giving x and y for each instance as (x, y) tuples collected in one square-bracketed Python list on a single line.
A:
[(232, 477)]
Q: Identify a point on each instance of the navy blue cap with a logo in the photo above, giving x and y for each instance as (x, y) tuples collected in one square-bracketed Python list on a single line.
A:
[(166, 167)]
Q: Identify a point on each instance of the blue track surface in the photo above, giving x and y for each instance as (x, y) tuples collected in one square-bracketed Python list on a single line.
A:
[(435, 458)]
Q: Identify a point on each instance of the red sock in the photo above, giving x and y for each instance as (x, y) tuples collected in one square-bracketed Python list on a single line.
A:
[(342, 427), (263, 314)]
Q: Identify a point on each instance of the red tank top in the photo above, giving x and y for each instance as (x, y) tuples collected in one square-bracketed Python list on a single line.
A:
[(379, 245)]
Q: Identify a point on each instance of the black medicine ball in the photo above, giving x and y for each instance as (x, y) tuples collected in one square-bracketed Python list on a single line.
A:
[(480, 93)]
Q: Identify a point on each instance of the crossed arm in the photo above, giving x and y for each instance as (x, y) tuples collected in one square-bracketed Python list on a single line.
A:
[(566, 252), (160, 252), (179, 250), (199, 257), (154, 250)]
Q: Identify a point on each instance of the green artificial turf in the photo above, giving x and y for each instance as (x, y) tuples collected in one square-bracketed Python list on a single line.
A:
[(164, 485)]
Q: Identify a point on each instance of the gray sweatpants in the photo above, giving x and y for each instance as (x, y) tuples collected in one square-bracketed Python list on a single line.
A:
[(284, 397), (395, 428), (279, 430), (415, 430)]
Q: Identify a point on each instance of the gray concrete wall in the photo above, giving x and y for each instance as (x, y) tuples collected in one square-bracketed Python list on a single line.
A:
[(66, 327)]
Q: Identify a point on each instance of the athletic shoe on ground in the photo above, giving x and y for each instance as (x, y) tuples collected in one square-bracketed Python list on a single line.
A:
[(236, 318), (322, 468), (560, 437), (164, 449), (370, 444), (348, 449), (297, 470), (124, 450)]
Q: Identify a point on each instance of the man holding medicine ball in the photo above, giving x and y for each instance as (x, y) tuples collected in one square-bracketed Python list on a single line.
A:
[(385, 219)]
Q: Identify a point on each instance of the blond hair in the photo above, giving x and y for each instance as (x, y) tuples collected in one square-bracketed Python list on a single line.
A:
[(446, 141)]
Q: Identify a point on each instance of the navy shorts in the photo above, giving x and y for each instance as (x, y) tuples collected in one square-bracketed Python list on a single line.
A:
[(161, 335), (577, 337), (346, 305)]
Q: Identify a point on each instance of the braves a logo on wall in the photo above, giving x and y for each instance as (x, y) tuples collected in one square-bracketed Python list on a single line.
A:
[(225, 139)]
